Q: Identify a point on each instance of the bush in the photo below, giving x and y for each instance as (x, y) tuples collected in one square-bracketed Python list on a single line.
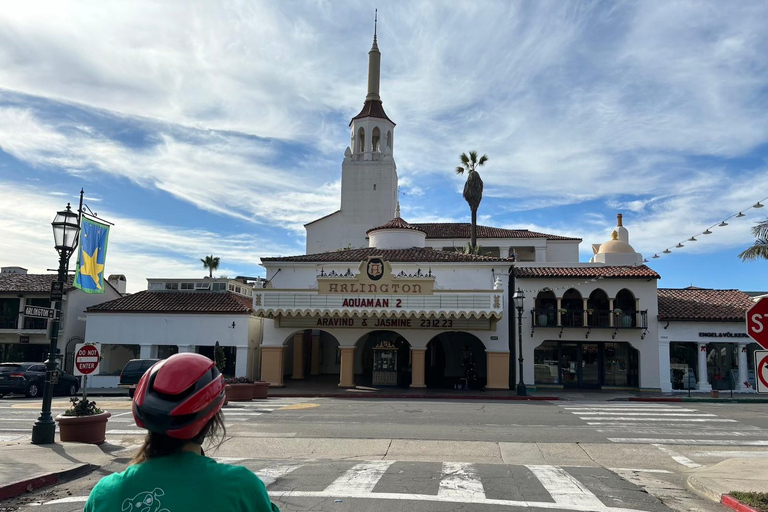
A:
[(82, 407), (758, 500), (238, 380)]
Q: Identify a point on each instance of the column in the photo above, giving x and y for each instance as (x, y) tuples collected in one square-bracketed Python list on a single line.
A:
[(20, 319), (314, 365), (417, 367), (586, 315), (611, 316), (241, 362), (498, 370), (665, 374), (743, 368), (559, 315), (703, 380), (298, 356), (272, 365), (347, 372)]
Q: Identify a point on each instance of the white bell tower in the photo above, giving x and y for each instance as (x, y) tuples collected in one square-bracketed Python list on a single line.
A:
[(368, 173)]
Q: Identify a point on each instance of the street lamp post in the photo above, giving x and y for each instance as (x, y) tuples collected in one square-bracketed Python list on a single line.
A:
[(519, 299), (66, 231)]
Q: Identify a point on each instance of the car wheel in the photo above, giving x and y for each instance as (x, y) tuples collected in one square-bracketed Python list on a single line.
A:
[(131, 392), (33, 391), (72, 389)]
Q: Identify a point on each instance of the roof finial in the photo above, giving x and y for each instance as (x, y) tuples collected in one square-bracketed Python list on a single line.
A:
[(397, 210), (375, 23), (619, 218)]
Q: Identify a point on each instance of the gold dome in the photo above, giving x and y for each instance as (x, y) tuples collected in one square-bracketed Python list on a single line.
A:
[(616, 246)]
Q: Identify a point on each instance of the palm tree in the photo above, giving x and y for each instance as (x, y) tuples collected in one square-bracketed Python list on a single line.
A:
[(759, 249), (211, 263), (473, 188)]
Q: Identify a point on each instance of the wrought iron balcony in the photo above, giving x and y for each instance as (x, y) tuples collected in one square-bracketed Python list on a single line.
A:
[(588, 319), (9, 322)]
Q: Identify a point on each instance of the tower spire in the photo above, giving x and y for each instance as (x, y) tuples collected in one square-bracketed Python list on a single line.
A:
[(374, 64)]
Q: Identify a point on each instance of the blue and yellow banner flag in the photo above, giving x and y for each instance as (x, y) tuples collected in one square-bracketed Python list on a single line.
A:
[(89, 275)]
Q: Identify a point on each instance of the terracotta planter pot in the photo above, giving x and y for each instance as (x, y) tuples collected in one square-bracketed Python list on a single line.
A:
[(240, 392), (260, 389), (226, 393), (83, 429)]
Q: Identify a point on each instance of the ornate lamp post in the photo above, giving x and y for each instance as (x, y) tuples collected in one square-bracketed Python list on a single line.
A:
[(519, 299), (66, 231)]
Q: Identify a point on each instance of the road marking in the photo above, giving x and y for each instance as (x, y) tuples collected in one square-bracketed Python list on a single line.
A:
[(298, 407), (241, 413), (734, 454), (680, 459), (619, 470), (7, 439), (565, 489), (680, 432), (127, 432), (460, 481), (270, 474), (362, 478), (644, 409), (690, 420), (709, 442), (657, 414)]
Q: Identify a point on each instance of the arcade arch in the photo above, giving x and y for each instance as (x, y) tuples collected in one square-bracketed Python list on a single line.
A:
[(311, 354), (365, 360), (456, 359)]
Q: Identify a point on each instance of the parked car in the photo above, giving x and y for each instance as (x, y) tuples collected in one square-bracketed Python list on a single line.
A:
[(132, 372), (29, 378)]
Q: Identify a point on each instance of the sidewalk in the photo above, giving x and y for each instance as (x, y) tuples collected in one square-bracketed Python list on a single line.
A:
[(25, 467), (716, 481)]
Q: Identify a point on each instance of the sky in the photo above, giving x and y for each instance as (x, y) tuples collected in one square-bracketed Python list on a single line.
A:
[(219, 128)]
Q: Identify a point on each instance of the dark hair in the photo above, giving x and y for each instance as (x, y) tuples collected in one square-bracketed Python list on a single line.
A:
[(160, 445)]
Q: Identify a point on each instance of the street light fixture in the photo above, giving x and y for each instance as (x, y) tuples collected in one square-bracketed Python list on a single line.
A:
[(66, 231), (519, 300)]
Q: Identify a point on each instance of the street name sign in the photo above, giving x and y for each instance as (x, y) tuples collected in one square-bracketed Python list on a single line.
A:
[(38, 312), (87, 358), (757, 322), (761, 371)]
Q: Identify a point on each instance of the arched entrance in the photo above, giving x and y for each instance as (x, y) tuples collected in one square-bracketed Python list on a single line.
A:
[(383, 351), (312, 354), (456, 360)]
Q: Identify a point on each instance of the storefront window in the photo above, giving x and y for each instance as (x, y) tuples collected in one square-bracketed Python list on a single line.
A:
[(683, 365), (616, 364), (723, 365), (545, 363)]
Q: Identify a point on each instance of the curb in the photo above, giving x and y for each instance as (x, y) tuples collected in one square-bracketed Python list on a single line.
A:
[(699, 400), (703, 489), (414, 397), (13, 489), (734, 504)]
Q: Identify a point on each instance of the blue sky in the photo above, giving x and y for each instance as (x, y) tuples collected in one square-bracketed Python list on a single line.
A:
[(213, 128)]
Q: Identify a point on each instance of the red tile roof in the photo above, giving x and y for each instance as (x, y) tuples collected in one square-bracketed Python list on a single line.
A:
[(703, 304), (372, 108), (640, 272), (462, 230), (396, 223), (177, 302), (414, 254), (30, 283)]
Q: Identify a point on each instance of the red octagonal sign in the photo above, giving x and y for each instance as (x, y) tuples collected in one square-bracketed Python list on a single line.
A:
[(757, 322), (87, 359)]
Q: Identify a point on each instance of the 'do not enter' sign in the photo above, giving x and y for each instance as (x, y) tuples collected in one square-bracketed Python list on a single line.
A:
[(87, 357)]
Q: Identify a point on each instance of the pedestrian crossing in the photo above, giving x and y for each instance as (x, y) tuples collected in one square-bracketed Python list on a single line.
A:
[(661, 424), (448, 483)]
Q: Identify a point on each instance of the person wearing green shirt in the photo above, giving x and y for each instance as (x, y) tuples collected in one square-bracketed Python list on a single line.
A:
[(179, 402)]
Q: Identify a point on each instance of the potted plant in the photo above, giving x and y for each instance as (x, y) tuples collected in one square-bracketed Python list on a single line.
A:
[(239, 389), (617, 311), (260, 389), (84, 422), (562, 311), (590, 311)]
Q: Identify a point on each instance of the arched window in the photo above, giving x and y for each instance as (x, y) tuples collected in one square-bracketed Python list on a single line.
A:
[(389, 139), (574, 309), (375, 140), (361, 140), (625, 307), (352, 140), (546, 309), (598, 309)]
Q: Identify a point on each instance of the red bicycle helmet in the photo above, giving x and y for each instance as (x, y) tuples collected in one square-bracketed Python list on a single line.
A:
[(178, 396)]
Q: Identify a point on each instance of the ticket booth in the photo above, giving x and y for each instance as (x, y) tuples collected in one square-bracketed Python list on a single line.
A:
[(385, 369)]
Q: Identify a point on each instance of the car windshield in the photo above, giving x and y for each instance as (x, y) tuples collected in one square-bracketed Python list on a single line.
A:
[(9, 366)]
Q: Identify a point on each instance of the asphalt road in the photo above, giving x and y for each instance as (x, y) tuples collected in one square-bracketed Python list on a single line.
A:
[(383, 455)]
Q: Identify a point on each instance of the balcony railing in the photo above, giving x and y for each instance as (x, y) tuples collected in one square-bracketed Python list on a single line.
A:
[(9, 322), (590, 318), (38, 324)]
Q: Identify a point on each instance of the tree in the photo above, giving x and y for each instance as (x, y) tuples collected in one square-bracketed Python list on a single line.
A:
[(211, 263), (759, 249), (473, 188), (219, 357)]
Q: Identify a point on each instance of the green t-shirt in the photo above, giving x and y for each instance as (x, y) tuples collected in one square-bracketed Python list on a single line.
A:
[(183, 482)]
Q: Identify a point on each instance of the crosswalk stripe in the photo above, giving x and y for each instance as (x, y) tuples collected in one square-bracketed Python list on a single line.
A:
[(565, 489), (708, 442), (644, 409), (460, 481), (668, 420), (270, 474), (241, 413), (657, 414), (679, 432), (362, 478), (680, 459), (126, 432)]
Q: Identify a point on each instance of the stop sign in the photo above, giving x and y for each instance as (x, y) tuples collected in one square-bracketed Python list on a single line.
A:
[(757, 322), (86, 359)]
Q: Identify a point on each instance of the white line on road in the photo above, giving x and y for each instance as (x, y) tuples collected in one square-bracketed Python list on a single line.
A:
[(8, 439), (241, 413), (565, 489), (708, 442), (657, 414), (644, 409), (680, 459), (126, 432), (679, 432), (270, 474), (733, 454), (460, 481), (690, 420), (617, 470), (361, 479)]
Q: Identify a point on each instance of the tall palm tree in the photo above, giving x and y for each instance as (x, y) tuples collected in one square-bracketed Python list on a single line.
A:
[(473, 188), (759, 249), (211, 263)]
